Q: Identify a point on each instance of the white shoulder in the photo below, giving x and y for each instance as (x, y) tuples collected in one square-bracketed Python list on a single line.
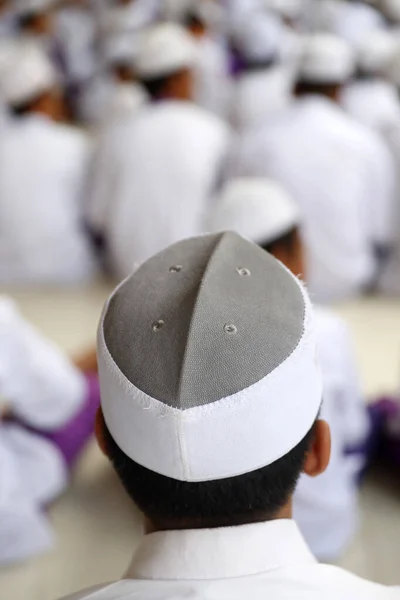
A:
[(350, 586), (88, 594)]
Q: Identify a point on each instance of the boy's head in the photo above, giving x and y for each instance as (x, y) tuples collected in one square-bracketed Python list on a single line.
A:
[(374, 54), (326, 65), (164, 63), (256, 39), (210, 385), (28, 83), (263, 212), (35, 16)]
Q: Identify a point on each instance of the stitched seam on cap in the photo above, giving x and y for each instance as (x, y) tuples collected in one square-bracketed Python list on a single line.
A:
[(199, 290)]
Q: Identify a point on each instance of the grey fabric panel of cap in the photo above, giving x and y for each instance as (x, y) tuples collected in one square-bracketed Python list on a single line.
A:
[(204, 319)]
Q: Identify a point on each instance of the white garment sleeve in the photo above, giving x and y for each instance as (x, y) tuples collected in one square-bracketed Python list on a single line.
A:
[(341, 380), (39, 383), (102, 181), (382, 192)]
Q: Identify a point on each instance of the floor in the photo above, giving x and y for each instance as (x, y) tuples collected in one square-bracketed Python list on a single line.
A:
[(96, 526)]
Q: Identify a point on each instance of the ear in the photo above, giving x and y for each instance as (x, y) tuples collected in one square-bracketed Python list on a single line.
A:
[(319, 454), (99, 431)]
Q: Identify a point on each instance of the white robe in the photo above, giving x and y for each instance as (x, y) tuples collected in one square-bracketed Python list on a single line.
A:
[(341, 175), (43, 172), (326, 507), (75, 30), (44, 390), (212, 77), (104, 99), (376, 104), (156, 175), (258, 94)]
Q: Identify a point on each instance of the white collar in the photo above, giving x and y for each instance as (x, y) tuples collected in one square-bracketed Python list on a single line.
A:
[(220, 553)]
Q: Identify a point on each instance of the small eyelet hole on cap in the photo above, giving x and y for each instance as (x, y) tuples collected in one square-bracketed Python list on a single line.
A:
[(175, 269), (157, 325), (230, 329), (243, 272)]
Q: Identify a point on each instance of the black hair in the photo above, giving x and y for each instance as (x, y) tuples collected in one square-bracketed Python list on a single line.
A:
[(288, 240), (21, 110), (192, 20), (328, 88), (168, 503), (27, 20), (155, 86)]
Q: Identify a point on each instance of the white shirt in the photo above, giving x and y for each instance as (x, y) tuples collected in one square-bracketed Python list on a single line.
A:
[(343, 178), (75, 30), (45, 391), (104, 99), (43, 171), (253, 562), (374, 102), (155, 180), (212, 77), (258, 94), (326, 507)]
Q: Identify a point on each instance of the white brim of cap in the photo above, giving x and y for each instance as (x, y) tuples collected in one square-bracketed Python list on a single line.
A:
[(232, 436)]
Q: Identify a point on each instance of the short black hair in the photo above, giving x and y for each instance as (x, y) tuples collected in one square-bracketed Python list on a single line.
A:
[(169, 503), (24, 108), (287, 239), (27, 20), (192, 20), (328, 88), (156, 85)]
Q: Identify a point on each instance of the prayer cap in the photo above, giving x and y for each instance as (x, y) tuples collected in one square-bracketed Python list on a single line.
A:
[(258, 209), (392, 9), (258, 37), (27, 74), (165, 49), (34, 6), (326, 58), (207, 360), (376, 51), (290, 9)]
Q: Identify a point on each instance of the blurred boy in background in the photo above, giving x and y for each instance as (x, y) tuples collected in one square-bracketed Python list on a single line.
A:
[(326, 508), (43, 173), (47, 410), (158, 171)]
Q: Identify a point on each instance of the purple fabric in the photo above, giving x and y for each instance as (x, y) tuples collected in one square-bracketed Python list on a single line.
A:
[(73, 437), (385, 415)]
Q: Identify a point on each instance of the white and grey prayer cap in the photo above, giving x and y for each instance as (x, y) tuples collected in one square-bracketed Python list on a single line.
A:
[(258, 209), (207, 360), (165, 49), (326, 58)]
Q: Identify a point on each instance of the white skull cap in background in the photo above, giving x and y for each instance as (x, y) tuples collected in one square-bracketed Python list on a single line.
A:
[(175, 10), (391, 9), (258, 209), (376, 52), (34, 6), (392, 71), (27, 74), (290, 9), (258, 37), (326, 58), (165, 49), (122, 48)]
